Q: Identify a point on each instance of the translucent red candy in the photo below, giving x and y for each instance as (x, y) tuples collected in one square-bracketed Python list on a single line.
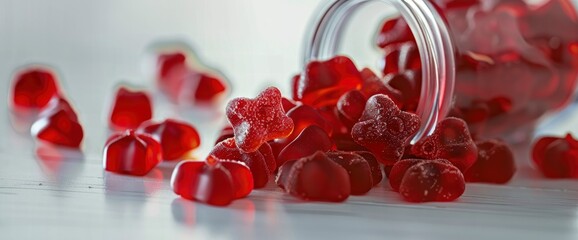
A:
[(376, 173), (304, 116), (256, 121), (33, 89), (215, 183), (359, 171), (373, 85), (432, 180), (226, 132), (450, 140), (130, 109), (556, 157), (400, 58), (315, 178), (351, 105), (57, 104), (59, 126), (398, 170), (269, 157), (394, 31), (182, 83), (172, 67), (131, 153), (227, 150), (495, 163), (287, 104), (311, 140), (384, 129), (325, 81), (176, 138), (451, 4), (409, 85)]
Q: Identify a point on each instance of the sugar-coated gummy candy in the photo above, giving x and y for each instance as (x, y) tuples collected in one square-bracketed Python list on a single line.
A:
[(256, 121), (358, 169), (384, 129), (432, 180), (450, 140)]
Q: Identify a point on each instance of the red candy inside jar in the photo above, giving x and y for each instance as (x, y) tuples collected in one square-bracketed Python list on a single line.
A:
[(499, 65)]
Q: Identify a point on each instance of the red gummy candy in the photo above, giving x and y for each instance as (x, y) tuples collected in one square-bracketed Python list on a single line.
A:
[(241, 177), (59, 126), (394, 31), (376, 173), (399, 169), (57, 104), (283, 175), (33, 89), (311, 140), (359, 171), (351, 105), (384, 129), (556, 157), (208, 183), (171, 67), (226, 132), (373, 85), (346, 143), (269, 157), (131, 153), (453, 4), (432, 180), (256, 121), (208, 89), (227, 150), (409, 85), (287, 104), (130, 109), (316, 178), (325, 81), (400, 58), (176, 138), (304, 116), (450, 140), (495, 163)]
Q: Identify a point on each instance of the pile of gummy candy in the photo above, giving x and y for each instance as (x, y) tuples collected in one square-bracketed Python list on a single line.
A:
[(337, 135)]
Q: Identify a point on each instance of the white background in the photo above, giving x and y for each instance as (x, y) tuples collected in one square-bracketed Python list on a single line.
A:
[(96, 44)]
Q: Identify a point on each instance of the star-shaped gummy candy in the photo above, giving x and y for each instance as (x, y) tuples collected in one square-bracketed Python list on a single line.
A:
[(384, 129), (256, 121)]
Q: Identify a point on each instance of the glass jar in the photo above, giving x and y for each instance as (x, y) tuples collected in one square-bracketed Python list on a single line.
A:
[(499, 64)]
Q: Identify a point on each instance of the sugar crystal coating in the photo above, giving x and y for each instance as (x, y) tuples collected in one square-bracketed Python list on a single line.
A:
[(384, 129), (450, 140), (432, 180), (256, 121)]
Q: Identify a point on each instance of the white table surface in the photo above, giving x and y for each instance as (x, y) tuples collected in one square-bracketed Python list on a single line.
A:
[(94, 44)]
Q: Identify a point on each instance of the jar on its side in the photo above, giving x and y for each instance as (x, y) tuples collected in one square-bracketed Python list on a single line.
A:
[(500, 65)]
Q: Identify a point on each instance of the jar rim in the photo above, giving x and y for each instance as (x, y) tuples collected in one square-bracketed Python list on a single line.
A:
[(433, 41)]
